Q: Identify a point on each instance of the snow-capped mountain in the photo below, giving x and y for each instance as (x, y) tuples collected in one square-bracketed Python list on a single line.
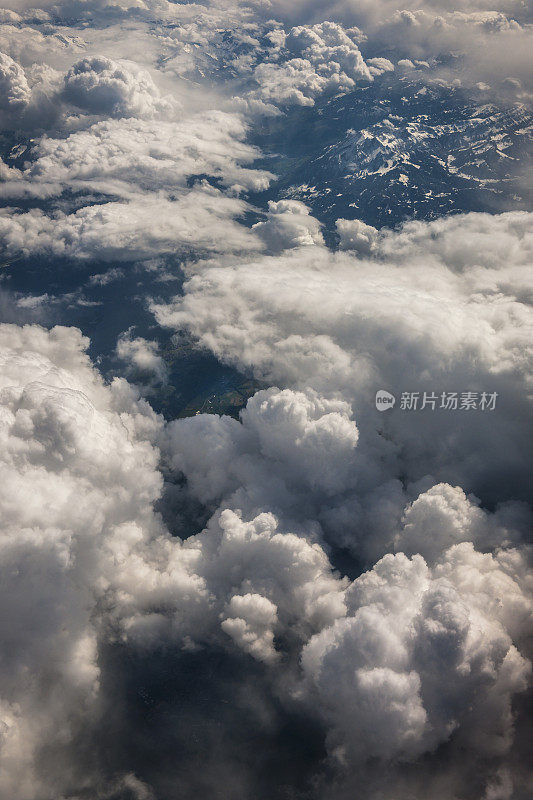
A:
[(407, 152)]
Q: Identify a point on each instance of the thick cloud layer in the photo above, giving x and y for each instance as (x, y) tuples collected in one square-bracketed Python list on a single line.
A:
[(472, 42), (144, 170), (140, 229), (447, 301), (319, 598), (438, 307), (80, 480), (419, 652)]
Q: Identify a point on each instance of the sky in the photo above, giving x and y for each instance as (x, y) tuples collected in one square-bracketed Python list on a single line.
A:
[(226, 230)]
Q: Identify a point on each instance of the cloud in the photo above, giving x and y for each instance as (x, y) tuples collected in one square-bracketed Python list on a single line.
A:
[(305, 48), (79, 483), (78, 479), (142, 358), (288, 224), (411, 655), (248, 562), (118, 89), (155, 174), (201, 218), (356, 235), (128, 156), (288, 442), (376, 653), (444, 516), (352, 585), (439, 306), (14, 90), (377, 66), (249, 621), (422, 654), (316, 59), (476, 41)]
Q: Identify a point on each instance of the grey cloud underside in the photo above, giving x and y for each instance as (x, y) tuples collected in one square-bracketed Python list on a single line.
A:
[(270, 212)]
